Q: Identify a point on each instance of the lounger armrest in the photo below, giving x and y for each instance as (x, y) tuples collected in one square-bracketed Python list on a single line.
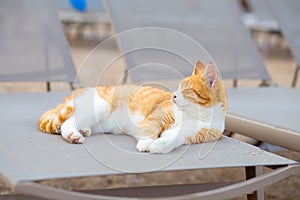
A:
[(245, 187), (264, 132)]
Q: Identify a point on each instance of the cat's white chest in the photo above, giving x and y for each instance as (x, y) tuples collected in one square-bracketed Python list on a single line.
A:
[(191, 121), (185, 124)]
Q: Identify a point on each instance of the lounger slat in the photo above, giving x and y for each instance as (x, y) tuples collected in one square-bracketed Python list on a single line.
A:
[(225, 192)]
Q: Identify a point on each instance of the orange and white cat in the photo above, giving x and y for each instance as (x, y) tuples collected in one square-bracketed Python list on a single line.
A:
[(159, 120)]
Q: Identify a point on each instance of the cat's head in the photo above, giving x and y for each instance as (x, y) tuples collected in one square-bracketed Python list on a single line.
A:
[(203, 88)]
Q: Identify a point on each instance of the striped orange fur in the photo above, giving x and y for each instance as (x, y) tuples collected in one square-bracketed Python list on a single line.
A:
[(204, 135), (51, 120)]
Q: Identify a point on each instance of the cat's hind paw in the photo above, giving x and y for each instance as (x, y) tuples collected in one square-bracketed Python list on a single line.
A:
[(143, 144), (75, 138)]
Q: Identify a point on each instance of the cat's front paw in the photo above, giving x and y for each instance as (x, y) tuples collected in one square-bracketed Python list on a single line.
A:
[(161, 145), (75, 138), (143, 144), (85, 132)]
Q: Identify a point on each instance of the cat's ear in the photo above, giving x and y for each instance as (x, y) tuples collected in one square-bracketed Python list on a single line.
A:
[(199, 68), (210, 75)]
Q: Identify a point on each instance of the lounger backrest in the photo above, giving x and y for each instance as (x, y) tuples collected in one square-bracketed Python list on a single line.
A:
[(32, 43), (216, 25)]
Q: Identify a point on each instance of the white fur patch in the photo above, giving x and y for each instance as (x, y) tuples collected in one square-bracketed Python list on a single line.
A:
[(121, 121)]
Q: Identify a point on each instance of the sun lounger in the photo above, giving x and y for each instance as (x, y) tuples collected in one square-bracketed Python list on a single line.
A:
[(32, 43), (287, 13), (267, 114), (215, 25), (28, 156)]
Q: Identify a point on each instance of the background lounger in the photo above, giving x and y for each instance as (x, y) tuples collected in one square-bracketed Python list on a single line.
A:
[(32, 43), (287, 15), (214, 24)]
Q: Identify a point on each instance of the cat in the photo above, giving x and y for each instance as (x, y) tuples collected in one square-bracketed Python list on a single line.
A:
[(160, 120)]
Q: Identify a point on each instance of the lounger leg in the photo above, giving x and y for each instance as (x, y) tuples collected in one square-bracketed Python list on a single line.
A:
[(71, 86), (295, 76), (235, 83), (125, 76), (48, 86), (265, 83), (252, 172), (75, 85)]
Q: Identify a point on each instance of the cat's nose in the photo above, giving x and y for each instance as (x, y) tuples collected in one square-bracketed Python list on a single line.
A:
[(174, 96)]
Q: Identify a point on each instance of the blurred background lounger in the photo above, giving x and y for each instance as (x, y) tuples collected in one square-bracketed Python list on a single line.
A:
[(216, 25), (287, 15), (278, 16), (32, 44)]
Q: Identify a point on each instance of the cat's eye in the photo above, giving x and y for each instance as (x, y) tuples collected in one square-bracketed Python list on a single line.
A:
[(188, 93)]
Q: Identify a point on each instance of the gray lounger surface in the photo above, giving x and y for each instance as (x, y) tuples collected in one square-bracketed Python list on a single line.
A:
[(28, 155), (32, 43), (216, 25), (270, 114)]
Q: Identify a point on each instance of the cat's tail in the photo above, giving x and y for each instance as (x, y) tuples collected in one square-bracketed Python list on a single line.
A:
[(51, 120)]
